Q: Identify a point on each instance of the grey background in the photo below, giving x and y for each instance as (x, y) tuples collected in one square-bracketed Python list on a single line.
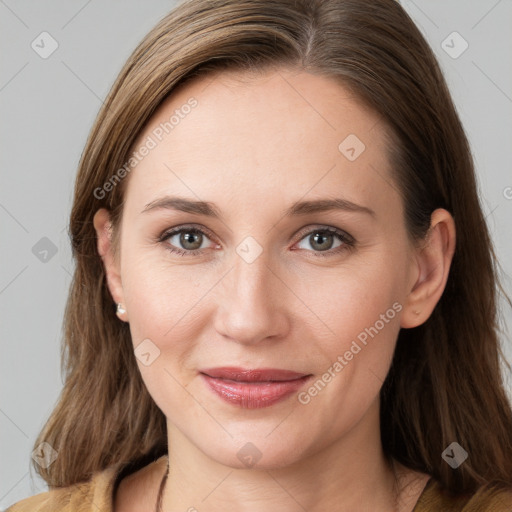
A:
[(47, 109)]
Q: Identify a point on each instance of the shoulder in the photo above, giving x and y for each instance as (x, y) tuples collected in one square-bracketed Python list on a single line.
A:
[(95, 495), (435, 498), (106, 489), (490, 500)]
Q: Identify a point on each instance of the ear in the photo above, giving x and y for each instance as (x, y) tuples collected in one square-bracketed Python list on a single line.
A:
[(432, 265), (103, 227)]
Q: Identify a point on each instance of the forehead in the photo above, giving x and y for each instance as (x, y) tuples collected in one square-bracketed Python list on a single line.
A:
[(231, 135)]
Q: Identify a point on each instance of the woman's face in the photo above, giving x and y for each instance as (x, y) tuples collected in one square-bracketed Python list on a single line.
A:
[(269, 278)]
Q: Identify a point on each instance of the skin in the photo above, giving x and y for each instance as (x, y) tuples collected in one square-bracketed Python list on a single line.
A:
[(254, 145)]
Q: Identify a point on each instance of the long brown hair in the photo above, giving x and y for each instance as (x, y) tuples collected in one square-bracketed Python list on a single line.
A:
[(444, 384)]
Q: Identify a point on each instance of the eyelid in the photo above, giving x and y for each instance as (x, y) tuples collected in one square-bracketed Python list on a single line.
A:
[(168, 233), (347, 239), (330, 229), (183, 227)]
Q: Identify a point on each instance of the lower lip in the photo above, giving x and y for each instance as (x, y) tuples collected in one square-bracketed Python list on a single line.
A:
[(254, 395)]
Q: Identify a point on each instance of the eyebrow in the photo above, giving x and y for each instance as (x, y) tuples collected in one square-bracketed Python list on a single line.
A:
[(298, 208)]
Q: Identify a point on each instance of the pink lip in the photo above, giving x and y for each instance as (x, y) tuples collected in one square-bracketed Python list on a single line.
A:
[(253, 389)]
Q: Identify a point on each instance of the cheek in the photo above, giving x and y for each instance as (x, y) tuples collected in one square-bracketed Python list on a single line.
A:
[(362, 313), (160, 296), (360, 309), (350, 299), (168, 309), (163, 305)]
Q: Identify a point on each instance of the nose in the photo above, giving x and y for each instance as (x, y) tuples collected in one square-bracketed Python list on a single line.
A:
[(252, 300)]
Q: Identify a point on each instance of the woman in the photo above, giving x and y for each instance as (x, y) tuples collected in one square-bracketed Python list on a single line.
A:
[(255, 369)]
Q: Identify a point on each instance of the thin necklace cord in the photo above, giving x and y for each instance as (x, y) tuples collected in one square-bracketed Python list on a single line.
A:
[(160, 491)]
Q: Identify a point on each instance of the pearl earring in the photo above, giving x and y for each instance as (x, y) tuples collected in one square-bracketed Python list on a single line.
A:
[(120, 309)]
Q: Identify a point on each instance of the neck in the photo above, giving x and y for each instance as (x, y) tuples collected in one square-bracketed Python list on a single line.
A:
[(349, 474)]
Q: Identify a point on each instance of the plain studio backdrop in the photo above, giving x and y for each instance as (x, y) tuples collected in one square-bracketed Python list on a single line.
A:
[(50, 94)]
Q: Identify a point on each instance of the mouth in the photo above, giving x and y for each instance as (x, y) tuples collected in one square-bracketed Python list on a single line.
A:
[(253, 388)]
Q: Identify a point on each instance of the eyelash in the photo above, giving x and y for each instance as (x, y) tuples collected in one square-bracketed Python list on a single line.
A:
[(347, 241)]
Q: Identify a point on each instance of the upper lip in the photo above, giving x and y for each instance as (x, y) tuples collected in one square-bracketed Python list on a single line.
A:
[(252, 374)]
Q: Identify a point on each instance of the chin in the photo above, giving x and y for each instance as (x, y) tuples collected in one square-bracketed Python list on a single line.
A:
[(257, 451)]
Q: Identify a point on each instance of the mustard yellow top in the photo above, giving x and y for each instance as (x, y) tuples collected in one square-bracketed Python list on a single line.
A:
[(97, 495)]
